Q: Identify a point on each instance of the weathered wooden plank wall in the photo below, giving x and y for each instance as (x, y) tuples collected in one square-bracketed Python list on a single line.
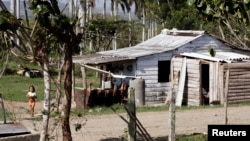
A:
[(193, 82), (147, 69), (239, 82), (192, 88), (216, 87)]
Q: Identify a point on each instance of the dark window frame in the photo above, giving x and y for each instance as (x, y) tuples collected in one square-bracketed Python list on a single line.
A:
[(164, 69)]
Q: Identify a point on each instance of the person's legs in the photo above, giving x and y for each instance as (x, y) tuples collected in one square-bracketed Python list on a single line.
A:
[(32, 111), (32, 108)]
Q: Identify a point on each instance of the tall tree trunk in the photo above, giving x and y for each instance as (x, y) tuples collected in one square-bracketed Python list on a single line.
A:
[(18, 9), (82, 10), (143, 24), (13, 10), (115, 13), (18, 17), (129, 18), (104, 9), (13, 7), (90, 18), (68, 66), (71, 9), (59, 78), (82, 21), (46, 105)]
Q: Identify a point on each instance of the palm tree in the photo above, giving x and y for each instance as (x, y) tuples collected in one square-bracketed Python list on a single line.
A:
[(125, 5), (140, 6), (71, 8), (104, 9)]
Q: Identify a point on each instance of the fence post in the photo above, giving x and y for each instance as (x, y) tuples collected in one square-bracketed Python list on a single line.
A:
[(171, 135), (3, 109), (131, 120), (226, 94)]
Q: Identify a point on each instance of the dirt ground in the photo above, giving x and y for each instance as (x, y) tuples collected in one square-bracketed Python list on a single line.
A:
[(103, 127)]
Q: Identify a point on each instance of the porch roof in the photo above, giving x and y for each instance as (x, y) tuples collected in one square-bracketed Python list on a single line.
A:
[(219, 57)]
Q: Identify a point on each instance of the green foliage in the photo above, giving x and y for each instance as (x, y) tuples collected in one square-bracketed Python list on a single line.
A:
[(102, 26), (231, 15), (55, 23), (101, 32), (223, 8), (8, 21), (211, 51), (185, 18), (178, 14)]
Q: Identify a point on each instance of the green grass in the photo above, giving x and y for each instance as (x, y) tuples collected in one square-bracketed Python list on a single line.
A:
[(15, 87), (92, 76)]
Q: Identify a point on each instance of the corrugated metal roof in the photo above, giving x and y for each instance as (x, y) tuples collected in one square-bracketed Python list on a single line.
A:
[(202, 56), (98, 59), (233, 56), (160, 43), (166, 41), (220, 56)]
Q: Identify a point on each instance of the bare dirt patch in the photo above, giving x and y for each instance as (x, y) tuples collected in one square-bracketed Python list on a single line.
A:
[(97, 128)]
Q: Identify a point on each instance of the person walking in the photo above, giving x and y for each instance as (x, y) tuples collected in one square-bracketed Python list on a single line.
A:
[(31, 95)]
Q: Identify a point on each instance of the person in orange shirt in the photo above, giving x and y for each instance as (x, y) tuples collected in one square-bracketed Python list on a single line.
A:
[(31, 95)]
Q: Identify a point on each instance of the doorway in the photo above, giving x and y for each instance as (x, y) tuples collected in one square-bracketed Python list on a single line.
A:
[(205, 84)]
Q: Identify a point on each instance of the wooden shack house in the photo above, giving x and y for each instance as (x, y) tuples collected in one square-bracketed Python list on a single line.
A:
[(181, 59), (208, 80)]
